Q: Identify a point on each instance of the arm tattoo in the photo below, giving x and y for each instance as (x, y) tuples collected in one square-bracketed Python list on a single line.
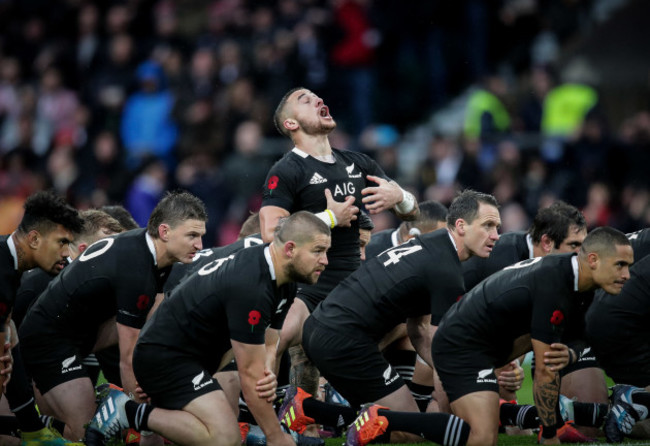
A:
[(303, 372), (546, 397)]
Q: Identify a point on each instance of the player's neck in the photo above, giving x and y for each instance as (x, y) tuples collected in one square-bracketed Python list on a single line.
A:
[(459, 244), (585, 278), (24, 253), (163, 260), (281, 276), (538, 251), (314, 145)]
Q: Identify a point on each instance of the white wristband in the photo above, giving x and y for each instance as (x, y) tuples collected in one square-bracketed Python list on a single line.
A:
[(407, 204), (328, 217), (146, 433)]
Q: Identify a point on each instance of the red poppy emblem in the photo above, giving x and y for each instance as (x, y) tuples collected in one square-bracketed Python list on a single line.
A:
[(557, 317), (273, 182), (254, 317), (3, 309), (143, 302)]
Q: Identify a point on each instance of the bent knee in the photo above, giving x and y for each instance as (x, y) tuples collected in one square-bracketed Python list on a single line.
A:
[(482, 438), (226, 438)]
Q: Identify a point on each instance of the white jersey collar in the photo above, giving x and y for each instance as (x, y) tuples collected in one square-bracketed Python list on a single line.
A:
[(299, 152), (329, 159), (12, 250), (529, 243), (453, 242), (267, 256), (393, 238), (574, 264), (152, 247)]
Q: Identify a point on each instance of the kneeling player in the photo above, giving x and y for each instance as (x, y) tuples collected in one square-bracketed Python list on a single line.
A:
[(228, 303)]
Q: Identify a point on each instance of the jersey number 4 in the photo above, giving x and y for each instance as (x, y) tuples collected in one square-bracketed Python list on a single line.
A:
[(396, 253)]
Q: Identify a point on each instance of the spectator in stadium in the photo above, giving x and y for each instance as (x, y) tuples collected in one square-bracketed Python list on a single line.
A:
[(186, 399), (341, 336), (331, 183), (547, 295), (98, 303), (147, 127), (42, 240)]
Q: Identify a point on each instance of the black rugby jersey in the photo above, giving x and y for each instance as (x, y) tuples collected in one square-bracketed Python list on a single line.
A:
[(181, 271), (32, 284), (422, 276), (298, 182), (511, 248), (533, 297), (380, 242), (640, 241), (229, 298), (115, 276), (9, 280)]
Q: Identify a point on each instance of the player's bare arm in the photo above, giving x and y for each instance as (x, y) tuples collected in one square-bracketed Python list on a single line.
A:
[(127, 336), (421, 333), (267, 386), (269, 217), (389, 195), (251, 365)]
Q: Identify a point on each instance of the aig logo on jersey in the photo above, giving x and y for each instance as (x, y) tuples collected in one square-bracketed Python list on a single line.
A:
[(486, 376), (67, 365)]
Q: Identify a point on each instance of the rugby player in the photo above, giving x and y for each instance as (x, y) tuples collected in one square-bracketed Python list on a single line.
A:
[(538, 303), (417, 282), (42, 240), (102, 299), (333, 184), (228, 303)]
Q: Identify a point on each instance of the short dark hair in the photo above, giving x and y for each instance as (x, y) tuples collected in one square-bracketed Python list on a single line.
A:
[(250, 226), (555, 222), (603, 240), (120, 214), (175, 208), (466, 205), (94, 221), (301, 227), (365, 222), (278, 116), (44, 210), (431, 213)]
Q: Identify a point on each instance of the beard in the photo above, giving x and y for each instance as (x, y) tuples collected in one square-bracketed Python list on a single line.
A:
[(318, 128), (297, 276)]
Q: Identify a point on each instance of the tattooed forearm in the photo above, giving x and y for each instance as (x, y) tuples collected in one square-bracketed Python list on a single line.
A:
[(303, 373), (546, 395)]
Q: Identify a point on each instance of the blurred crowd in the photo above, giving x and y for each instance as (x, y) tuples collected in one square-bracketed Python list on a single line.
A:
[(118, 101)]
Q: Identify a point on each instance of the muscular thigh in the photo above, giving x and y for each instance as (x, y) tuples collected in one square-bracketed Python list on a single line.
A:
[(171, 379)]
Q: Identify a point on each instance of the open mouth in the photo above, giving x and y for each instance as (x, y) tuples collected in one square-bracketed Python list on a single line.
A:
[(324, 112)]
